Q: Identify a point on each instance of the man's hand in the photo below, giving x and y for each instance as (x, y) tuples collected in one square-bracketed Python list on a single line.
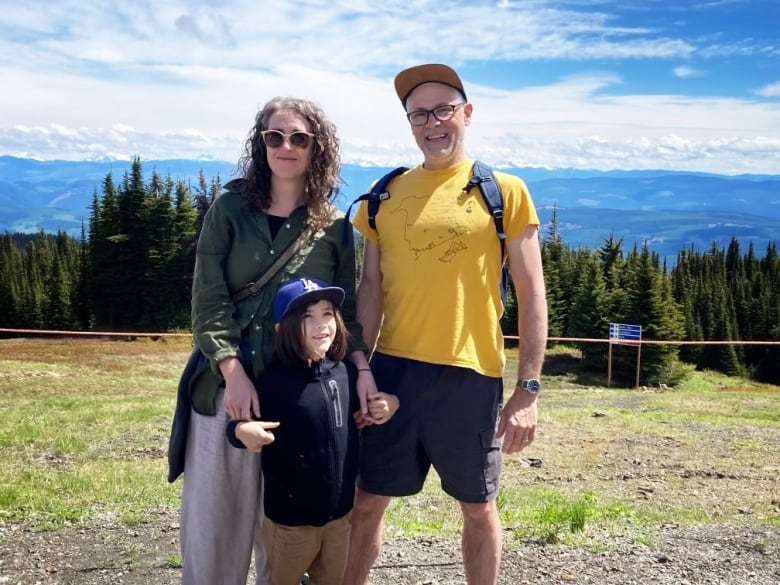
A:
[(518, 421), (254, 434)]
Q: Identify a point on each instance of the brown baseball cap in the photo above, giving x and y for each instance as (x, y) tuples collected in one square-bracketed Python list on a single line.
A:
[(409, 79)]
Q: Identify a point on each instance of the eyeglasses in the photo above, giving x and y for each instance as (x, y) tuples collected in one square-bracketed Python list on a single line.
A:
[(275, 138), (441, 113)]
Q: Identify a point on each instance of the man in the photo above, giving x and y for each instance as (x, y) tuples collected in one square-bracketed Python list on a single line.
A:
[(429, 296)]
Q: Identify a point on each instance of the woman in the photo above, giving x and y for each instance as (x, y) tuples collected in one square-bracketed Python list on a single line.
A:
[(290, 174)]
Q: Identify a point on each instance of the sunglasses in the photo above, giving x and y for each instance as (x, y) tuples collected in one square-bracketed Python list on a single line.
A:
[(275, 138)]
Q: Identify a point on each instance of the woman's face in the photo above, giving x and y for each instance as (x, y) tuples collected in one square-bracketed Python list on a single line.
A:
[(288, 161), (319, 328)]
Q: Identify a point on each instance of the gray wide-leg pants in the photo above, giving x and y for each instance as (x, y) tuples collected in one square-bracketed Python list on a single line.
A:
[(221, 507)]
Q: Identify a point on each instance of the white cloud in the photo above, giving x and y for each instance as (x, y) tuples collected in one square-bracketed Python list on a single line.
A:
[(685, 72), (185, 79), (770, 91)]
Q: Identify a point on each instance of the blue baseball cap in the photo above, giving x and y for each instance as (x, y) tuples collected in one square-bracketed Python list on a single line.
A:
[(303, 291)]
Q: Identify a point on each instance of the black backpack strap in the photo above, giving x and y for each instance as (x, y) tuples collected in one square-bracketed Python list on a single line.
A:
[(379, 193), (482, 176), (375, 196)]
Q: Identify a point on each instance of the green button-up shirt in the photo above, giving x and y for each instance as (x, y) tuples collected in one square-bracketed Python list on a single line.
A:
[(235, 247)]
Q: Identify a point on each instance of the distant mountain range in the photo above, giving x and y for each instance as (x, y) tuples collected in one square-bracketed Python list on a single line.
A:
[(669, 210)]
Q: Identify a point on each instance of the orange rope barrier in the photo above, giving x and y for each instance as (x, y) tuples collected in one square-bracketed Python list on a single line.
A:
[(515, 337), (93, 333)]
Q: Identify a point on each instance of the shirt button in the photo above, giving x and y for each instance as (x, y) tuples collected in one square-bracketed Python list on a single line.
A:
[(287, 226), (253, 352), (272, 252)]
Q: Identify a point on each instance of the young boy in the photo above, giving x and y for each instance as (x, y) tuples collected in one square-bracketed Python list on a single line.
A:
[(307, 397)]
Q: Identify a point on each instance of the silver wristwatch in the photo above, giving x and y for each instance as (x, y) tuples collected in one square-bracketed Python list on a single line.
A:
[(530, 385)]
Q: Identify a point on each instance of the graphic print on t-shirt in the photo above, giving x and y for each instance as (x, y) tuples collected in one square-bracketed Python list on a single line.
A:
[(444, 237)]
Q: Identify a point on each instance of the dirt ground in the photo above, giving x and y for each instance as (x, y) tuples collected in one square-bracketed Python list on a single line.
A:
[(114, 554), (731, 472)]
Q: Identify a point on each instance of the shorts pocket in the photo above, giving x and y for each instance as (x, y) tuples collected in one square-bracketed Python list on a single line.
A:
[(491, 460)]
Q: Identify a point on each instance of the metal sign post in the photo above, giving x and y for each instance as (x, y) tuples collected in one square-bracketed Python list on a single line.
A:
[(623, 334)]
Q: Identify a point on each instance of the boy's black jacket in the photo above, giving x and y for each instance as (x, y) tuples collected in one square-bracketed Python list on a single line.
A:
[(310, 469)]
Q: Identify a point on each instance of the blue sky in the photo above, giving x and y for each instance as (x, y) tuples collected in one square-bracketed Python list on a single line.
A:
[(684, 85)]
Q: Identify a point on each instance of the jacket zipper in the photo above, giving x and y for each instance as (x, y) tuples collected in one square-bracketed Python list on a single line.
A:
[(331, 390), (336, 399)]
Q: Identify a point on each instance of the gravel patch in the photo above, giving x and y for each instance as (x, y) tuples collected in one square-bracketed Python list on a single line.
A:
[(116, 554)]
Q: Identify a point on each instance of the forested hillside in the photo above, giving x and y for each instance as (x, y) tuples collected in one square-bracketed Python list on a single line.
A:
[(131, 270)]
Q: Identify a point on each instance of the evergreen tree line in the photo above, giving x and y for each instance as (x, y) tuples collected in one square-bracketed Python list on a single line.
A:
[(714, 295), (132, 271)]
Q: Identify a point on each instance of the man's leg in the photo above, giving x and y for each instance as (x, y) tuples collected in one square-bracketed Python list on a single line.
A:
[(481, 543), (460, 438), (366, 536)]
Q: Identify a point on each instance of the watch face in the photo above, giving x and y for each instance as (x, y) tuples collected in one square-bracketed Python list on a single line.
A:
[(532, 386)]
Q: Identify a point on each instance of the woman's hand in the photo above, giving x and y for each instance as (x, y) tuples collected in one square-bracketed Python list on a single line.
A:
[(240, 399), (360, 419), (366, 387)]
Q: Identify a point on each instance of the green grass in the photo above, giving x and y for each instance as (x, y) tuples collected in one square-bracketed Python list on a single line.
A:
[(84, 429)]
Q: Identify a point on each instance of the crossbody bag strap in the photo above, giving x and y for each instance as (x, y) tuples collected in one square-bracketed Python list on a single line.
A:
[(254, 287)]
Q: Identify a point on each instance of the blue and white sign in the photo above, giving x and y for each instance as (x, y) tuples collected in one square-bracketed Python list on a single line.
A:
[(626, 333)]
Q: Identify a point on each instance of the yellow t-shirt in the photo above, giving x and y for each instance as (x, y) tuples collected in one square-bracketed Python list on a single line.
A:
[(441, 266)]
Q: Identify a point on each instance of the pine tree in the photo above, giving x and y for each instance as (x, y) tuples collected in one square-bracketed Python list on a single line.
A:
[(82, 313), (104, 242), (589, 317), (685, 289), (553, 253), (652, 306), (11, 273), (161, 283), (185, 236), (131, 258)]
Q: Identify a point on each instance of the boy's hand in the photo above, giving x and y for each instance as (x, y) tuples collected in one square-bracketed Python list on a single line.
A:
[(255, 434)]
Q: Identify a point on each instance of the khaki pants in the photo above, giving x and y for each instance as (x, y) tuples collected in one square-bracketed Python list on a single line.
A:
[(319, 550), (221, 507)]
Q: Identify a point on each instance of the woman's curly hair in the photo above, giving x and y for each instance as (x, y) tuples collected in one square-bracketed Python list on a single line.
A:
[(322, 178)]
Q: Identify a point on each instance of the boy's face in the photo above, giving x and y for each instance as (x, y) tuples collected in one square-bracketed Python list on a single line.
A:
[(319, 328)]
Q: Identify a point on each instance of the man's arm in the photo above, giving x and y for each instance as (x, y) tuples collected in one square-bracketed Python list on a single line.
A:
[(518, 417), (369, 295), (369, 315)]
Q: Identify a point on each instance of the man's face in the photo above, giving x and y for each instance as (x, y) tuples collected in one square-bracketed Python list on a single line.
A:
[(441, 141)]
